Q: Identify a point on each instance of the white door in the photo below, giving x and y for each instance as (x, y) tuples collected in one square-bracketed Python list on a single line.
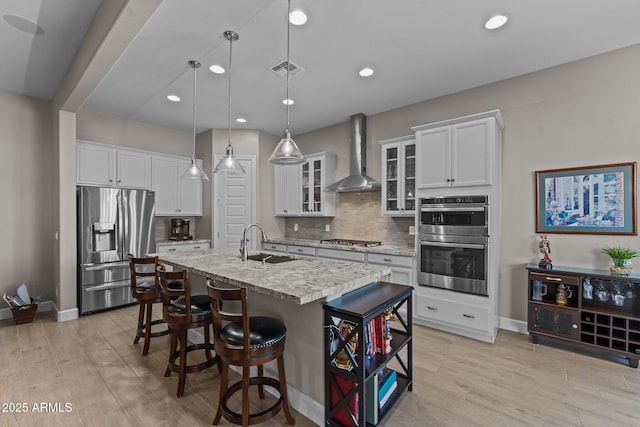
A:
[(235, 204)]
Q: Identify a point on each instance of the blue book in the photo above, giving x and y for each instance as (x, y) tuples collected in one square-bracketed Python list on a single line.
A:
[(386, 383)]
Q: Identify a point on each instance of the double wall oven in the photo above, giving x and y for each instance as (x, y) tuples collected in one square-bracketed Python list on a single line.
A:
[(453, 237)]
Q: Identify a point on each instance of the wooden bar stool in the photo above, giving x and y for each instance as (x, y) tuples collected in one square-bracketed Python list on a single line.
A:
[(145, 288), (183, 311), (247, 341)]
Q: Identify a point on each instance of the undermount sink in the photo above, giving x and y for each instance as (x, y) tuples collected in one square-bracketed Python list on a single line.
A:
[(270, 259)]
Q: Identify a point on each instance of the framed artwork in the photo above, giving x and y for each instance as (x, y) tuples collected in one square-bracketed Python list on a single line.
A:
[(588, 200)]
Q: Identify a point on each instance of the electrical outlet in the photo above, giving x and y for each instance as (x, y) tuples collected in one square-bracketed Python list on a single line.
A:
[(327, 227), (412, 230), (295, 227)]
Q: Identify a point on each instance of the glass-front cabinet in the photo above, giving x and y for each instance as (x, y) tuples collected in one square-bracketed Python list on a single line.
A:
[(399, 176), (315, 175)]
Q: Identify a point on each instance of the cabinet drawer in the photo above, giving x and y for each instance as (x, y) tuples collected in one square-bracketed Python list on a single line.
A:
[(556, 278), (394, 260), (462, 315), (275, 247), (341, 255), (301, 250)]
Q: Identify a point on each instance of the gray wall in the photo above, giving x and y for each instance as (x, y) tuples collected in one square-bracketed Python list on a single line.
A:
[(578, 114), (26, 173)]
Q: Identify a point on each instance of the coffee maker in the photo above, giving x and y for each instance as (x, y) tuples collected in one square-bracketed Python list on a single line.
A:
[(180, 229)]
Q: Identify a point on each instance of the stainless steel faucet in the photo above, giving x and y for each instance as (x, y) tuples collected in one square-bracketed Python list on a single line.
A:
[(243, 243)]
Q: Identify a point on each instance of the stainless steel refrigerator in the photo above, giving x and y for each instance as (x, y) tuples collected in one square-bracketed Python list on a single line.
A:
[(112, 222)]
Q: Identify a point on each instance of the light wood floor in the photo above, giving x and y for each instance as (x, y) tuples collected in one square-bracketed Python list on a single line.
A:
[(91, 364)]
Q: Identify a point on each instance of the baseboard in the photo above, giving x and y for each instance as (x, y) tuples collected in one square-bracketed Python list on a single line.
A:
[(513, 325), (302, 403), (64, 315)]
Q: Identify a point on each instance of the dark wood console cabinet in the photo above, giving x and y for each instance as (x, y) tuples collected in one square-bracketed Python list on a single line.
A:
[(348, 405), (599, 310)]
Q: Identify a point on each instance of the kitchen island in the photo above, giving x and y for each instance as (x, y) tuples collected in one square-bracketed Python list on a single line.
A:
[(294, 292)]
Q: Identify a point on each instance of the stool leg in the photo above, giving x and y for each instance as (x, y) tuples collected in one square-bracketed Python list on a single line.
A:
[(183, 362), (260, 385), (207, 341), (147, 330), (283, 391), (224, 385), (246, 382), (172, 351), (140, 324)]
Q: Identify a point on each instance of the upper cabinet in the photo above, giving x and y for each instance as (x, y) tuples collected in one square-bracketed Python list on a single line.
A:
[(109, 166), (299, 190), (174, 195), (287, 190), (458, 152), (399, 176)]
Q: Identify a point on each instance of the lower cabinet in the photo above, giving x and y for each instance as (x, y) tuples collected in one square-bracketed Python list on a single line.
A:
[(274, 247), (586, 307), (361, 387), (301, 250), (182, 247)]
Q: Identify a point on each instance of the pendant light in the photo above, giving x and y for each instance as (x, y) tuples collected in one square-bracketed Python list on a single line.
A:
[(229, 162), (287, 152), (194, 172)]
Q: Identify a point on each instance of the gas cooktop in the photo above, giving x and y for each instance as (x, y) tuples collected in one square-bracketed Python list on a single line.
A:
[(349, 242)]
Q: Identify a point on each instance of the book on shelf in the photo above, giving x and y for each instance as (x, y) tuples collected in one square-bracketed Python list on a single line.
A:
[(342, 416), (385, 382), (372, 399), (388, 394)]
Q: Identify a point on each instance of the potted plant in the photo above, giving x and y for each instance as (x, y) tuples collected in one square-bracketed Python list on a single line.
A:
[(620, 259)]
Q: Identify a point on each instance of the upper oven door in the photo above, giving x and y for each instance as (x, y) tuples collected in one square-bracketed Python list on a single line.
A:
[(461, 220)]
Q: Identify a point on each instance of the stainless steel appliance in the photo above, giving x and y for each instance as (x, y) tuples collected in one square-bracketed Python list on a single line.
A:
[(350, 242), (112, 223), (453, 237), (180, 229)]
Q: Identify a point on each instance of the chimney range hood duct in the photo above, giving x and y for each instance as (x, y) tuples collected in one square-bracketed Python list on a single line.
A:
[(358, 179)]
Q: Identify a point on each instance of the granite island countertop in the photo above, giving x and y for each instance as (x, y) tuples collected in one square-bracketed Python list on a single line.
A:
[(300, 281), (382, 249)]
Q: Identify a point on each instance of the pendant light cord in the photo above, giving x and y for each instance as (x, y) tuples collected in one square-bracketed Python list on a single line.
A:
[(195, 65), (288, 63), (230, 50)]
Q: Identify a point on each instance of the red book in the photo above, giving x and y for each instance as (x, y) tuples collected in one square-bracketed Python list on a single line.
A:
[(342, 416), (381, 330)]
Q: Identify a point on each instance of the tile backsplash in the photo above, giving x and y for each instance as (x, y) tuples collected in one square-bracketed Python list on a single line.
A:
[(359, 217)]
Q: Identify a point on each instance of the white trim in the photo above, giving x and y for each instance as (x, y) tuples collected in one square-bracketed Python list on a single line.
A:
[(216, 159), (513, 325)]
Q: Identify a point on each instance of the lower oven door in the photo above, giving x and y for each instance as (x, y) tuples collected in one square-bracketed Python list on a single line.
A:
[(105, 295), (456, 266)]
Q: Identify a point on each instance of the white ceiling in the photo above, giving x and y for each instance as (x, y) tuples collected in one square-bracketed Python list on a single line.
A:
[(420, 49)]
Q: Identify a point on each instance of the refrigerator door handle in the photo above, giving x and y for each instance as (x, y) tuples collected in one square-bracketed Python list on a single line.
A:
[(97, 267), (105, 286)]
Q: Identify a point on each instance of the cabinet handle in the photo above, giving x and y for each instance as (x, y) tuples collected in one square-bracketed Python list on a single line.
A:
[(171, 250), (448, 180), (453, 179), (119, 181), (196, 247), (432, 308), (110, 180), (555, 279), (469, 316), (300, 250), (574, 326), (387, 259)]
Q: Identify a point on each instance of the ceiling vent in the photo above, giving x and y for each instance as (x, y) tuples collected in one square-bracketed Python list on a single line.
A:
[(281, 69)]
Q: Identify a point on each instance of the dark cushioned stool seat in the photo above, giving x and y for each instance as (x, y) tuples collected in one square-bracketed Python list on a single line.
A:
[(199, 305), (263, 331)]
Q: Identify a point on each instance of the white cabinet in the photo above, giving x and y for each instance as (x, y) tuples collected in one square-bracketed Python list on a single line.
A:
[(341, 255), (287, 190), (401, 266), (316, 174), (183, 247), (299, 190), (174, 195), (108, 166), (459, 152), (301, 250), (399, 176), (274, 247)]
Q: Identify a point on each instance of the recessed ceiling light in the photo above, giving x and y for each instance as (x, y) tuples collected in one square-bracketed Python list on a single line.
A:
[(288, 101), (298, 17), (495, 22), (366, 72), (241, 120), (173, 98), (218, 69)]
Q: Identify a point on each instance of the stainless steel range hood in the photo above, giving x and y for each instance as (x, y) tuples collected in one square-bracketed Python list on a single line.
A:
[(358, 179)]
